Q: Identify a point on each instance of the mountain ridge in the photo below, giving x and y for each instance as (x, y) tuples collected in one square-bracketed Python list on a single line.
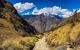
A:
[(10, 19), (42, 22), (15, 32), (66, 33)]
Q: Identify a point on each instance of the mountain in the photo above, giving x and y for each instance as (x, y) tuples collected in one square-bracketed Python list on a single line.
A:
[(66, 33), (18, 34), (10, 19), (15, 32), (43, 22)]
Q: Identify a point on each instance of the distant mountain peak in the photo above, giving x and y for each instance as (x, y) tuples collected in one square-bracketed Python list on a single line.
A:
[(43, 22)]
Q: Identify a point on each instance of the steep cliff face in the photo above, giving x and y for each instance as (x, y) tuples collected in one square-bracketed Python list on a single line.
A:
[(11, 21), (67, 33)]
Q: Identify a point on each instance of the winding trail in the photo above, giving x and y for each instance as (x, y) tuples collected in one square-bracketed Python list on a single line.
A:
[(41, 45)]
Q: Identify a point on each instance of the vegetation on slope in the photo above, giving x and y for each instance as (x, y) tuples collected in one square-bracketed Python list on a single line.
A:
[(20, 43), (67, 33), (9, 14), (15, 32)]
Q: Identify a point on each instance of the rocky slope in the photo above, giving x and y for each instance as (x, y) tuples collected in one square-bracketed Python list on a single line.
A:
[(43, 22), (66, 33)]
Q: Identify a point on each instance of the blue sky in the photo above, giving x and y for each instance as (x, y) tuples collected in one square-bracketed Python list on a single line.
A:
[(69, 5)]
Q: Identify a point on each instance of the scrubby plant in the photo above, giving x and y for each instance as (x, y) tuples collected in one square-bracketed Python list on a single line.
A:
[(22, 43)]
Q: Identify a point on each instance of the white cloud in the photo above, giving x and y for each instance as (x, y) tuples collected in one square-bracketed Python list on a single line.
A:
[(23, 6), (47, 10), (53, 10), (35, 11), (66, 13)]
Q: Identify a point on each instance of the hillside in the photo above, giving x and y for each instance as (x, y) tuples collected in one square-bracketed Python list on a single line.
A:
[(10, 19), (15, 32), (18, 34), (43, 22), (66, 33)]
